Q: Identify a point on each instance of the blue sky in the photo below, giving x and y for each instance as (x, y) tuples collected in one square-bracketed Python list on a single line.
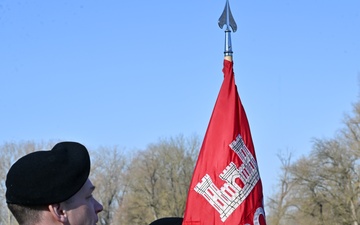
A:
[(127, 73)]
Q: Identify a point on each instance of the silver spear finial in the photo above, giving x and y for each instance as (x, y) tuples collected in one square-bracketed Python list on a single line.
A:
[(227, 18)]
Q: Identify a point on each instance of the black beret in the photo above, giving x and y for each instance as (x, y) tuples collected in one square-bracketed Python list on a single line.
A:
[(47, 177), (168, 221)]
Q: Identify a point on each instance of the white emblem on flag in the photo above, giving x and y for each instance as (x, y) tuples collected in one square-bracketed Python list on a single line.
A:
[(226, 199)]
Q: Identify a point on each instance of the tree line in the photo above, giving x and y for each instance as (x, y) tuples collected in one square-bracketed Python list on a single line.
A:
[(140, 186), (324, 186)]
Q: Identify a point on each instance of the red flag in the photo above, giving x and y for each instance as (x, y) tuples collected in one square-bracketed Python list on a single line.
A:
[(226, 188)]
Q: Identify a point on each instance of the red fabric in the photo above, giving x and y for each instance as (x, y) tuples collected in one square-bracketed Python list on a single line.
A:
[(215, 199)]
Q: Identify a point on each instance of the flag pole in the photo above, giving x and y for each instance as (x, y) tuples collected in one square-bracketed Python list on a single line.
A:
[(226, 188), (227, 19)]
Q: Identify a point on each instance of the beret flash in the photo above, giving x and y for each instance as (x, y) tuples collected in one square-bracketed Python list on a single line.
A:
[(47, 177), (168, 221)]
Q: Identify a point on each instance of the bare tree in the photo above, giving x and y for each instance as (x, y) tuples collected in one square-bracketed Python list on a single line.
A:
[(108, 175), (328, 190), (351, 132), (159, 180), (9, 153), (325, 185), (280, 204)]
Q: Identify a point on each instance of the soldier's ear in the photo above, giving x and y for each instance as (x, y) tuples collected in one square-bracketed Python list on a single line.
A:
[(58, 213)]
